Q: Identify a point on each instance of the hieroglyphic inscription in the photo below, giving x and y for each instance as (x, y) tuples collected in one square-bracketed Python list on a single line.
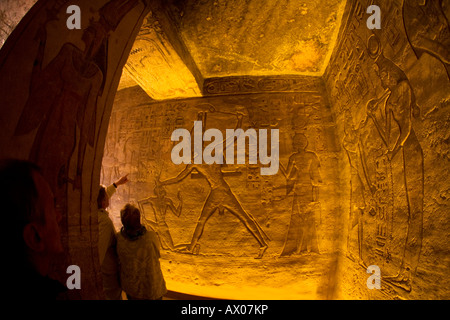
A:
[(255, 202), (383, 206), (235, 85), (381, 146)]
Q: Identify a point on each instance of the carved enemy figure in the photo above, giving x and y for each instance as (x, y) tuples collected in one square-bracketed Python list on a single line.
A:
[(160, 203)]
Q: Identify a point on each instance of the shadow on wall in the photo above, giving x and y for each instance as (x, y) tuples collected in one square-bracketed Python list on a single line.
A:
[(56, 108)]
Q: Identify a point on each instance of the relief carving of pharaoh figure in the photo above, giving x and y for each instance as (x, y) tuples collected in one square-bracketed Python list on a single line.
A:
[(391, 114), (220, 198)]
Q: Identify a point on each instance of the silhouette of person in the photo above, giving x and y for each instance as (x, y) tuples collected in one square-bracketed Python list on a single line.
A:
[(32, 235), (138, 251), (107, 242)]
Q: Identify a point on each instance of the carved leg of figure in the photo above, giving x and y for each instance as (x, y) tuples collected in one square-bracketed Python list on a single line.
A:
[(235, 208), (291, 244), (309, 231), (353, 221), (166, 238), (208, 209), (312, 231), (360, 238), (302, 241), (294, 234), (413, 164)]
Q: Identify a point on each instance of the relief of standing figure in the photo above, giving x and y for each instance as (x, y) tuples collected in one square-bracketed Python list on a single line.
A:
[(160, 203), (397, 133), (303, 178)]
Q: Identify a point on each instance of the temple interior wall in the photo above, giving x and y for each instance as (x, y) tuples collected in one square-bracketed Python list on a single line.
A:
[(397, 201), (368, 144), (139, 144), (55, 106)]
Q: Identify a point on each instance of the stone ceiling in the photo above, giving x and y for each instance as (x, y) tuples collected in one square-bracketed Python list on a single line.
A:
[(183, 43)]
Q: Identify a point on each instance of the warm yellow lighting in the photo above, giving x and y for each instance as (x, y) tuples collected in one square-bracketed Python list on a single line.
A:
[(261, 37), (155, 65)]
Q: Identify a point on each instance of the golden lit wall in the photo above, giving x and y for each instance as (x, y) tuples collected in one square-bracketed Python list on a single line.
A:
[(296, 216), (371, 186), (389, 91), (381, 148)]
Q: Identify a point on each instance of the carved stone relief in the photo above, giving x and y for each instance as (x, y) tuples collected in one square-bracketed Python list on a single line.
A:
[(367, 164), (231, 211), (56, 105), (236, 85), (376, 105)]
